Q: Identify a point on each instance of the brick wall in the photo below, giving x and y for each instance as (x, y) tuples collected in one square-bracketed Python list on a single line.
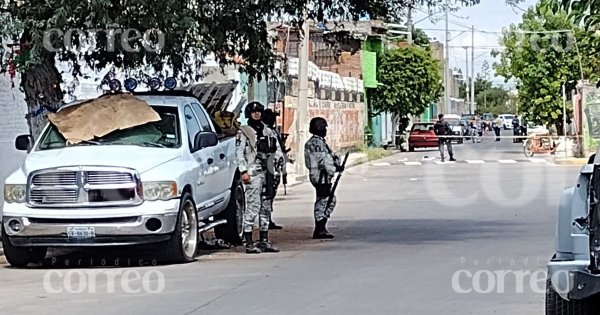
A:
[(349, 65), (13, 123)]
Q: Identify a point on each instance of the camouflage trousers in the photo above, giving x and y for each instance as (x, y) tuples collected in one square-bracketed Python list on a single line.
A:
[(268, 203), (321, 212), (257, 205)]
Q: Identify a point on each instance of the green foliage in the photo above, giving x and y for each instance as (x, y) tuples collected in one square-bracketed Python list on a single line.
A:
[(540, 66), (481, 84), (192, 29), (494, 100), (371, 153), (410, 82)]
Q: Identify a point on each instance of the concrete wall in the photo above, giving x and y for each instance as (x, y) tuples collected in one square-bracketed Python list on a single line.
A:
[(13, 123)]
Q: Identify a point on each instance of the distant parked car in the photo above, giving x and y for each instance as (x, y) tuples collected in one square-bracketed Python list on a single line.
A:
[(507, 121), (458, 129), (464, 121), (422, 135)]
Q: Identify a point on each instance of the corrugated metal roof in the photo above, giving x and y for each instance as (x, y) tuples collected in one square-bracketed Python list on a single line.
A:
[(213, 96)]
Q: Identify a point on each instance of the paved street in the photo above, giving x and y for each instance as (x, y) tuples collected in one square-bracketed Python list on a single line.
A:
[(404, 226)]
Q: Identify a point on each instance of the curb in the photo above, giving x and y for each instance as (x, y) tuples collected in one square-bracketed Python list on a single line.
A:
[(298, 180), (573, 161)]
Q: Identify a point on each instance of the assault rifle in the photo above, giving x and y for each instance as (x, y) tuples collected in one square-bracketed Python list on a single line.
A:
[(331, 194), (286, 150)]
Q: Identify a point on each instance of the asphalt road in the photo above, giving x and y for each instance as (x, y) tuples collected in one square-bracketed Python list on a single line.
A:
[(405, 229)]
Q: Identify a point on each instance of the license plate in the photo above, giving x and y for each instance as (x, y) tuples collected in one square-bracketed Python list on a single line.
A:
[(81, 232)]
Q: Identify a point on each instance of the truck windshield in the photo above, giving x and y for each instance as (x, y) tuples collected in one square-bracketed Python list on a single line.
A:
[(163, 133)]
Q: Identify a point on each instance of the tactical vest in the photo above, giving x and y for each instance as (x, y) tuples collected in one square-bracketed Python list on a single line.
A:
[(261, 146)]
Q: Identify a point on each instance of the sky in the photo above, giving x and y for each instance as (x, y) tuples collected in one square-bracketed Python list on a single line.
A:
[(489, 17)]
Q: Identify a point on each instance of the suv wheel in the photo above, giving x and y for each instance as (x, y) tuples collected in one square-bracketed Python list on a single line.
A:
[(184, 241), (556, 305), (232, 231), (20, 257)]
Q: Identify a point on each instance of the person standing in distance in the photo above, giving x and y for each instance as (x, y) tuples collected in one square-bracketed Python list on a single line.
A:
[(442, 129), (269, 117), (255, 146), (497, 125), (322, 164)]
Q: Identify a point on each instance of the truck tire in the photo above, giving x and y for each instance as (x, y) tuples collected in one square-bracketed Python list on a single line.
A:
[(233, 230), (182, 246), (20, 257), (556, 305)]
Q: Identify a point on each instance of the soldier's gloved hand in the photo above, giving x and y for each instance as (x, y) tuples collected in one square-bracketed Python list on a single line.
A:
[(339, 168), (336, 160), (284, 178), (246, 178)]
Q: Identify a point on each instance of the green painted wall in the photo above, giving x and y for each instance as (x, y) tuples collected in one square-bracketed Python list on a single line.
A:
[(371, 47)]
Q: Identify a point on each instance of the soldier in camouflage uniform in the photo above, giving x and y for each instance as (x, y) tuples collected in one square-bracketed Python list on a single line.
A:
[(269, 117), (322, 164), (256, 145)]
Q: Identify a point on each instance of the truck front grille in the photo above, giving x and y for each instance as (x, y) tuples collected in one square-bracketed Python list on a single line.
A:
[(84, 187), (53, 196), (107, 178), (55, 179)]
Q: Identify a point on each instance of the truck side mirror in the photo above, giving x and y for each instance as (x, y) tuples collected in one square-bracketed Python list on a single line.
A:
[(591, 159), (205, 139), (24, 142)]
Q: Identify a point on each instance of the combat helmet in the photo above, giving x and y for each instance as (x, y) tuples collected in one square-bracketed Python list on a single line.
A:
[(318, 126), (253, 107)]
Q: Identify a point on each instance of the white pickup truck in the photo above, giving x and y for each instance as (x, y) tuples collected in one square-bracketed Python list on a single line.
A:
[(163, 182)]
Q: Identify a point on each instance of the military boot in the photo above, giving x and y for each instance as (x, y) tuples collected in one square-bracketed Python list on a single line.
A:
[(273, 226), (251, 247), (264, 245), (320, 230)]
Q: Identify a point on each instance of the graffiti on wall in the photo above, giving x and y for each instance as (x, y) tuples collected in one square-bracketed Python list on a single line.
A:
[(346, 121)]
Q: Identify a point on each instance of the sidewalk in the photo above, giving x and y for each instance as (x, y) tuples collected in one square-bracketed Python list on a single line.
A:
[(570, 161)]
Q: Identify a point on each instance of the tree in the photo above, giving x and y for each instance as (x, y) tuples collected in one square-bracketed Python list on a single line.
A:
[(234, 30), (494, 100), (542, 62), (410, 82), (481, 84), (586, 14), (485, 71)]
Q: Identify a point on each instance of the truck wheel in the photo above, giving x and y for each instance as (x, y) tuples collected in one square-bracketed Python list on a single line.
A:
[(182, 246), (411, 148), (233, 230), (460, 141), (555, 305), (20, 257)]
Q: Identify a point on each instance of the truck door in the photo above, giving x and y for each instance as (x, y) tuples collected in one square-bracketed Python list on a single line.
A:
[(203, 173), (221, 181)]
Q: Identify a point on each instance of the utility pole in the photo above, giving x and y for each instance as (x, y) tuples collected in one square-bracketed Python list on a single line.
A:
[(446, 63), (473, 68), (564, 97), (302, 106), (409, 26), (467, 77)]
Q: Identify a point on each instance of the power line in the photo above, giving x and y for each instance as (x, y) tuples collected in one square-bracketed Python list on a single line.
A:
[(499, 32)]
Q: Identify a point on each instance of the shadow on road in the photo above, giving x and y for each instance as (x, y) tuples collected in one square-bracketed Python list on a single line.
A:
[(419, 231), (297, 236)]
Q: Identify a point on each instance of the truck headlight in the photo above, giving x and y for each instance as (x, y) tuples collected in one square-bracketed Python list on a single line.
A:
[(15, 193), (159, 190)]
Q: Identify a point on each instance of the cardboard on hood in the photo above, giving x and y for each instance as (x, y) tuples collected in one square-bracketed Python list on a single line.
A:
[(101, 116)]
